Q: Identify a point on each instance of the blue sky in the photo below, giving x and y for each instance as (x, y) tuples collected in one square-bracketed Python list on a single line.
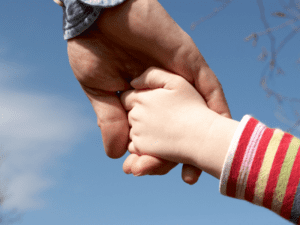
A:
[(56, 171)]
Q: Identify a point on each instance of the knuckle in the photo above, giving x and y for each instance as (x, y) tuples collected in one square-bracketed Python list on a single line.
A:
[(99, 123), (152, 69), (178, 79)]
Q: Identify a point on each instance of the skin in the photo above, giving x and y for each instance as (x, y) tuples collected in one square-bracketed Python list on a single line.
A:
[(122, 43), (170, 120)]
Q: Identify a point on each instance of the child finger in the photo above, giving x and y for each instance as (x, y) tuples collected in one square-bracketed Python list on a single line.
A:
[(154, 78), (129, 161), (132, 149), (131, 134), (127, 99)]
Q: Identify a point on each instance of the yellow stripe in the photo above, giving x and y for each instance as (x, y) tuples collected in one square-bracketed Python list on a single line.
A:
[(265, 169), (285, 175)]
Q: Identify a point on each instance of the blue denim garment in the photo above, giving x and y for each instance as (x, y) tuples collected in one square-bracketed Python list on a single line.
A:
[(78, 15)]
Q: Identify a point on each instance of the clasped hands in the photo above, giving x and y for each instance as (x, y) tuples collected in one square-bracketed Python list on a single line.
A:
[(122, 44)]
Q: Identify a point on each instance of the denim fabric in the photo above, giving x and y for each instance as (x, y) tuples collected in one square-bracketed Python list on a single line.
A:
[(78, 15)]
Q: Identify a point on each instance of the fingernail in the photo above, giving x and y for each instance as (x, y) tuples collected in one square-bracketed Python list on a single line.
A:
[(133, 82), (137, 175)]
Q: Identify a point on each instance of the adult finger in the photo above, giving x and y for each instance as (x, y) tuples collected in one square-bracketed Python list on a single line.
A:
[(129, 162), (208, 85), (112, 120), (190, 174)]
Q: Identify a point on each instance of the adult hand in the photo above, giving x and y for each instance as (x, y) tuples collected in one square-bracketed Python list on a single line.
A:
[(120, 46)]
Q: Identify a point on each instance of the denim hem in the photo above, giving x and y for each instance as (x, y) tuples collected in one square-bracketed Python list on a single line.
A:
[(79, 15), (81, 27)]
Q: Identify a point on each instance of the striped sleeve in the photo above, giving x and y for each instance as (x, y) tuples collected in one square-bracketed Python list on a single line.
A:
[(262, 166)]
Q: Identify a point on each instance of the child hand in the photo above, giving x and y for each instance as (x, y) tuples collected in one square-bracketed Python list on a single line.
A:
[(168, 118)]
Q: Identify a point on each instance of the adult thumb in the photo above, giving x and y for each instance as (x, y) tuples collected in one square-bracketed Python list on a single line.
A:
[(154, 78)]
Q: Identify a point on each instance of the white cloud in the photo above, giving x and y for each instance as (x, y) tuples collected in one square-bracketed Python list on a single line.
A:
[(34, 129), (23, 189)]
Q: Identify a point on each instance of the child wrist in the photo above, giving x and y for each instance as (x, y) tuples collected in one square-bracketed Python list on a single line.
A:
[(217, 144)]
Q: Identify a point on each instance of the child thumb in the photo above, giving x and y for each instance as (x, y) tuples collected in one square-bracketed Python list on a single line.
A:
[(153, 78)]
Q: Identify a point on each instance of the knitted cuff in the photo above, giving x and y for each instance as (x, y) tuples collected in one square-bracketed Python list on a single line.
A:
[(230, 154), (262, 166)]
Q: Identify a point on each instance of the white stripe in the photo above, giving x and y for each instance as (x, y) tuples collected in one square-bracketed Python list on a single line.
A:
[(103, 3), (248, 159), (230, 154)]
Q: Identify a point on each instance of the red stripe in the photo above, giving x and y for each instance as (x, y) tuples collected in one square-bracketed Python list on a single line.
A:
[(238, 157), (291, 188), (276, 168), (258, 160)]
